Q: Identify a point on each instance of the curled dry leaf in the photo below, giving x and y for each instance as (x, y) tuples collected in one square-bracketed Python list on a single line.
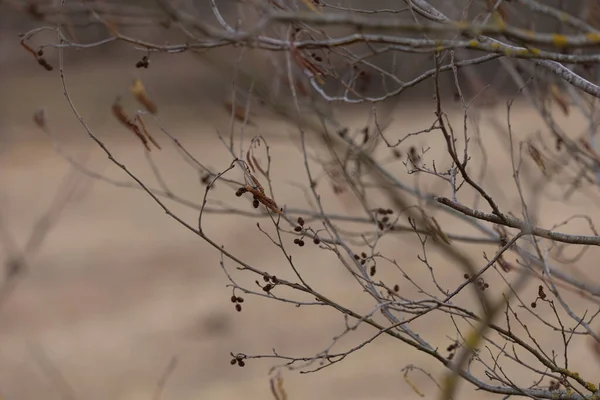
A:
[(139, 92), (124, 119), (537, 157)]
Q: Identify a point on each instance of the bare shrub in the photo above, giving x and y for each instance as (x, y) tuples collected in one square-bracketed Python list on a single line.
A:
[(467, 194)]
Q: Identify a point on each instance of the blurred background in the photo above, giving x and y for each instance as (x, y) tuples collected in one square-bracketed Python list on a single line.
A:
[(115, 295)]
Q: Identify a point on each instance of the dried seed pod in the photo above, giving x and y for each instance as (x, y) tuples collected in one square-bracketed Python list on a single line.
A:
[(234, 299), (541, 293)]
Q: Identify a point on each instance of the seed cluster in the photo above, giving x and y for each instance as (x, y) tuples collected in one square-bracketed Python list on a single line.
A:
[(383, 219), (301, 229), (363, 259), (143, 63), (451, 349), (237, 300), (271, 282), (238, 359), (540, 296), (481, 283)]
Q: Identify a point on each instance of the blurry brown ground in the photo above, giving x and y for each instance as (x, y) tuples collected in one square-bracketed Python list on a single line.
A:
[(119, 288)]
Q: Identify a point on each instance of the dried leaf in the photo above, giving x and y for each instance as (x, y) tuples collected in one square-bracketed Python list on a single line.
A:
[(139, 92), (537, 157), (559, 98), (123, 118), (147, 133), (239, 112), (277, 388), (311, 5)]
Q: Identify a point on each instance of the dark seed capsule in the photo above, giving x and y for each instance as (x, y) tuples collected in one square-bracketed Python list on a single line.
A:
[(240, 299), (255, 203), (274, 279), (363, 254), (396, 288), (234, 299), (241, 363), (316, 240), (301, 243), (267, 287), (298, 229), (533, 305), (301, 221), (266, 278), (385, 219), (296, 241), (356, 257), (233, 361), (238, 307), (373, 270), (466, 276)]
